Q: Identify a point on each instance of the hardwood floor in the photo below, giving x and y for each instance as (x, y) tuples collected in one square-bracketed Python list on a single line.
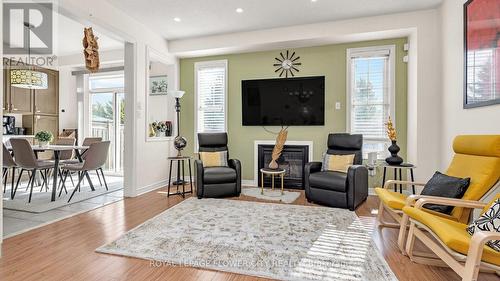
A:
[(65, 250)]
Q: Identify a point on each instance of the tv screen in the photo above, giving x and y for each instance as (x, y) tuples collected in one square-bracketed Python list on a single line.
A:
[(284, 101)]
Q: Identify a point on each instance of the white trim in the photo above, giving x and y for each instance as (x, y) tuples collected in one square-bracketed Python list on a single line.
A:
[(151, 187), (198, 65), (375, 50), (256, 144)]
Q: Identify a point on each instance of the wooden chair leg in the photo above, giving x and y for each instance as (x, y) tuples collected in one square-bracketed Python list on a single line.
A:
[(410, 240), (33, 175), (402, 233)]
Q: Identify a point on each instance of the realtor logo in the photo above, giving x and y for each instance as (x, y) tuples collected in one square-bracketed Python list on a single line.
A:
[(27, 28)]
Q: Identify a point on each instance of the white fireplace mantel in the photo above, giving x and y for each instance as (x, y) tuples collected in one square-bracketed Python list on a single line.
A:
[(273, 142)]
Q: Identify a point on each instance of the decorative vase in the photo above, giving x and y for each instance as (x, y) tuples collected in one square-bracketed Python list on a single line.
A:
[(394, 159), (158, 134)]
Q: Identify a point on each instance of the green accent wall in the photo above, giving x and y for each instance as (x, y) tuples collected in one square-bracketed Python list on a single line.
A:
[(328, 61)]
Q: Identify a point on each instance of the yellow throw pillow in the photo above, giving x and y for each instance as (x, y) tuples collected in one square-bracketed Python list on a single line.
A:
[(338, 163), (214, 159)]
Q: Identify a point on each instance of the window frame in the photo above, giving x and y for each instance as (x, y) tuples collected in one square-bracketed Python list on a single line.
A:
[(351, 52), (197, 66)]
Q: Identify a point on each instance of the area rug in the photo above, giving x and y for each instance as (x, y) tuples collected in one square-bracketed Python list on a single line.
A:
[(272, 195), (278, 241), (40, 201)]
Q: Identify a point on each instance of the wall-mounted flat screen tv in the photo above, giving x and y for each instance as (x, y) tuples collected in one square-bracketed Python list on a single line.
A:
[(296, 101)]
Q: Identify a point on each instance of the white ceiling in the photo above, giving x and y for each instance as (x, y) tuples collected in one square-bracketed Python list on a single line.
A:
[(209, 17), (69, 36)]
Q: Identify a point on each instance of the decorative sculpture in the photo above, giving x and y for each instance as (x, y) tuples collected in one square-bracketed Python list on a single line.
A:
[(90, 50), (278, 147)]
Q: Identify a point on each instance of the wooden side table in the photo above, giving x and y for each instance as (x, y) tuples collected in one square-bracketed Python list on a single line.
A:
[(400, 168), (180, 180), (272, 173)]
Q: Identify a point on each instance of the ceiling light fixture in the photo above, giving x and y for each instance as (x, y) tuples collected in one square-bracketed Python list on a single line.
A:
[(314, 1), (239, 10), (177, 19)]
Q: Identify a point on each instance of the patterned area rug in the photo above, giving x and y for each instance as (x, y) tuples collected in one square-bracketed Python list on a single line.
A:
[(272, 195), (277, 241)]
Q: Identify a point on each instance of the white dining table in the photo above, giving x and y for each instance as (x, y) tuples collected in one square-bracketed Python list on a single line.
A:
[(56, 149)]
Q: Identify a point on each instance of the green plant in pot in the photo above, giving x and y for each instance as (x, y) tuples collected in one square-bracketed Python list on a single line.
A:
[(44, 138)]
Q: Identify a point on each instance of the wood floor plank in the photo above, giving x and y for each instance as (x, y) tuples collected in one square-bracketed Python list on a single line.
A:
[(65, 250)]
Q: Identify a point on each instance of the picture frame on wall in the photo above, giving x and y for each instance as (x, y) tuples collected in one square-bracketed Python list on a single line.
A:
[(158, 85), (481, 53)]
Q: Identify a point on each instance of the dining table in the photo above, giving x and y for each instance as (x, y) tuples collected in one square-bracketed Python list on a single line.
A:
[(56, 149)]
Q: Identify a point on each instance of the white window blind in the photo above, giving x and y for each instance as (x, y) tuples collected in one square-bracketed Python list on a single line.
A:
[(370, 95), (211, 96)]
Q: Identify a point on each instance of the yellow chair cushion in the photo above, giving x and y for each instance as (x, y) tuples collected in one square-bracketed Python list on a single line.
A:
[(391, 199), (483, 171), (397, 201), (453, 234), (480, 145)]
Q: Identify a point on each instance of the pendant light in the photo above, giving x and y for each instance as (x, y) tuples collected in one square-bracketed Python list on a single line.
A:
[(28, 78)]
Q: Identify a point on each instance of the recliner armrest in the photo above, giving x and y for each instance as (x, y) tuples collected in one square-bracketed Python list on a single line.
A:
[(236, 164), (199, 177), (313, 167), (310, 168), (357, 189)]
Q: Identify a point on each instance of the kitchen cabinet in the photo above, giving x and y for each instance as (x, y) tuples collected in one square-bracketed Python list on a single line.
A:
[(47, 100)]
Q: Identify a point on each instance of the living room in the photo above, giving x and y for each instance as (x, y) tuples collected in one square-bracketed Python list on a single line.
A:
[(324, 140)]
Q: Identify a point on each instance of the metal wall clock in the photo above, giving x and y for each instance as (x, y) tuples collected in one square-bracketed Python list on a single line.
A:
[(287, 65)]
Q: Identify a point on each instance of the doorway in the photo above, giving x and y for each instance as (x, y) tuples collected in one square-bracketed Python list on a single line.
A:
[(107, 116)]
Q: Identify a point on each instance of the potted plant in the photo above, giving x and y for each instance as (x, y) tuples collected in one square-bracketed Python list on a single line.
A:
[(44, 138)]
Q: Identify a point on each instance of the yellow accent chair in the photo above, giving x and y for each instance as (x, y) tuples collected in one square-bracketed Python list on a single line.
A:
[(476, 157), (448, 239)]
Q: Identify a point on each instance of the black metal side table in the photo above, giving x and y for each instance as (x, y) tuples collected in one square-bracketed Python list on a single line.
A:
[(403, 166), (180, 180)]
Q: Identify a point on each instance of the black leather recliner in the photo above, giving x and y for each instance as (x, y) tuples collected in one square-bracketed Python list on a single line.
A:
[(336, 189), (212, 182)]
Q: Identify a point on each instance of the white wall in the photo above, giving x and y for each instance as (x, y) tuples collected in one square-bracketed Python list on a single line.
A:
[(68, 100), (456, 120), (424, 87)]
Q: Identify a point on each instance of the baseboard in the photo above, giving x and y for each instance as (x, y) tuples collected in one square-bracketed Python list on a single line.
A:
[(151, 187), (248, 183)]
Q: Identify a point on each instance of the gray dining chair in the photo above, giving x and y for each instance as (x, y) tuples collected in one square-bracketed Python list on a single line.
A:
[(65, 155), (25, 158), (86, 142), (95, 158), (8, 163)]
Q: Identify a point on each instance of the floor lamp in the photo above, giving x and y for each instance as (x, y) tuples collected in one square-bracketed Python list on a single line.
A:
[(179, 141)]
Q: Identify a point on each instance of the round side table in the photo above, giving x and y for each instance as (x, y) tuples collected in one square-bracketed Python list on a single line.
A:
[(272, 173), (399, 168)]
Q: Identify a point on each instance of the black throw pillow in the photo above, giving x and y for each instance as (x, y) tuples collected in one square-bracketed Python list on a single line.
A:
[(441, 185)]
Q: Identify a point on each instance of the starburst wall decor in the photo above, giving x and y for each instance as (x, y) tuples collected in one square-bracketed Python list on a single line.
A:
[(287, 64)]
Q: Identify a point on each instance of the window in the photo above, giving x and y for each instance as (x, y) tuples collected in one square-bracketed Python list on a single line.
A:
[(370, 95), (211, 94)]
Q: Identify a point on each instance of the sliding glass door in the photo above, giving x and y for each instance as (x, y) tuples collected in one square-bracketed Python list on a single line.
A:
[(107, 118)]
